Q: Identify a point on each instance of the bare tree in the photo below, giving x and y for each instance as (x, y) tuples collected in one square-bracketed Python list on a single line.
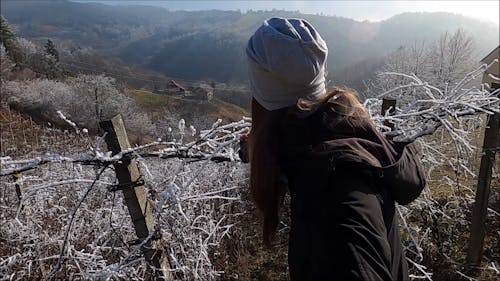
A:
[(451, 57), (86, 99), (442, 62), (96, 98), (6, 64)]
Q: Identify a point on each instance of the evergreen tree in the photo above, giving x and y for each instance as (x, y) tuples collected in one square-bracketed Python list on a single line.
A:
[(54, 69), (9, 41), (7, 37), (51, 50)]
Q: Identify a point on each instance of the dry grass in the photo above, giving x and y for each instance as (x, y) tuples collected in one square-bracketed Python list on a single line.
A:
[(246, 256), (452, 192), (147, 99), (20, 135)]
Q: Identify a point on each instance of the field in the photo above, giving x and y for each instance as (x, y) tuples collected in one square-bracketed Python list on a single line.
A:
[(189, 109)]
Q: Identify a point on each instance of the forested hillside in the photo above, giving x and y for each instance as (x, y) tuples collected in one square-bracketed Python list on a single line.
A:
[(210, 44)]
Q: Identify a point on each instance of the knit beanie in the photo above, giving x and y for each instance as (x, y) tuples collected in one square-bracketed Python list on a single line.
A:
[(287, 62)]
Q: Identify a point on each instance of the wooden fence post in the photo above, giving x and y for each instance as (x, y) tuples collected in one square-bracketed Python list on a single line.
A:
[(17, 184), (491, 143), (388, 104), (139, 208)]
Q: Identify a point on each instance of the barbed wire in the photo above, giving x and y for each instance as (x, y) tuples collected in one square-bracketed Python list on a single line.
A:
[(216, 144)]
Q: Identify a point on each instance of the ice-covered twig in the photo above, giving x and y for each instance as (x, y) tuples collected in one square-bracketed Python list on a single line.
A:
[(70, 223), (420, 113), (202, 149)]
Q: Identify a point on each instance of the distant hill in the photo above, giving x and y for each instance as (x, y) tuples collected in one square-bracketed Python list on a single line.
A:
[(210, 44)]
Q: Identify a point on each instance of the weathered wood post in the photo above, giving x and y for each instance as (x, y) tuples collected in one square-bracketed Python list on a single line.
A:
[(139, 208), (491, 143), (388, 104)]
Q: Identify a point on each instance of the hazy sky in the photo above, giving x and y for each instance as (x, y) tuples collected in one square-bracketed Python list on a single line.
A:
[(359, 10)]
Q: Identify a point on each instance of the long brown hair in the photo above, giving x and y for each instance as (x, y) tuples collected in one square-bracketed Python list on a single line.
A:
[(344, 102), (266, 186), (264, 169)]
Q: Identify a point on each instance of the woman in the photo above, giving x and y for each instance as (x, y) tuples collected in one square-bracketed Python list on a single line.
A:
[(343, 176)]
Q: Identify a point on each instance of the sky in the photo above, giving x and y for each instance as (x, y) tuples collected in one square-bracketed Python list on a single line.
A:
[(358, 10)]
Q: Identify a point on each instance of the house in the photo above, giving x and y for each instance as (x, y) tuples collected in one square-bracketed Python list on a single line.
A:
[(175, 87), (492, 74)]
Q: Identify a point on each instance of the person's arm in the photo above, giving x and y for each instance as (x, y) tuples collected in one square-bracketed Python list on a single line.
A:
[(406, 177)]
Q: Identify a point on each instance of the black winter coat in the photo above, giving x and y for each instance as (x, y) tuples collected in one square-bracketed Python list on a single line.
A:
[(342, 179)]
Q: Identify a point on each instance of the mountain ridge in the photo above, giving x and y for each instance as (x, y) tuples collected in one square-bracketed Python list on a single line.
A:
[(209, 44)]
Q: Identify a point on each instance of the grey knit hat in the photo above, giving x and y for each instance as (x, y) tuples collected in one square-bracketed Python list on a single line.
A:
[(287, 62)]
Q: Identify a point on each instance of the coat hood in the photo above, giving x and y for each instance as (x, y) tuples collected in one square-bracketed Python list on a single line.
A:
[(356, 143), (353, 140)]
